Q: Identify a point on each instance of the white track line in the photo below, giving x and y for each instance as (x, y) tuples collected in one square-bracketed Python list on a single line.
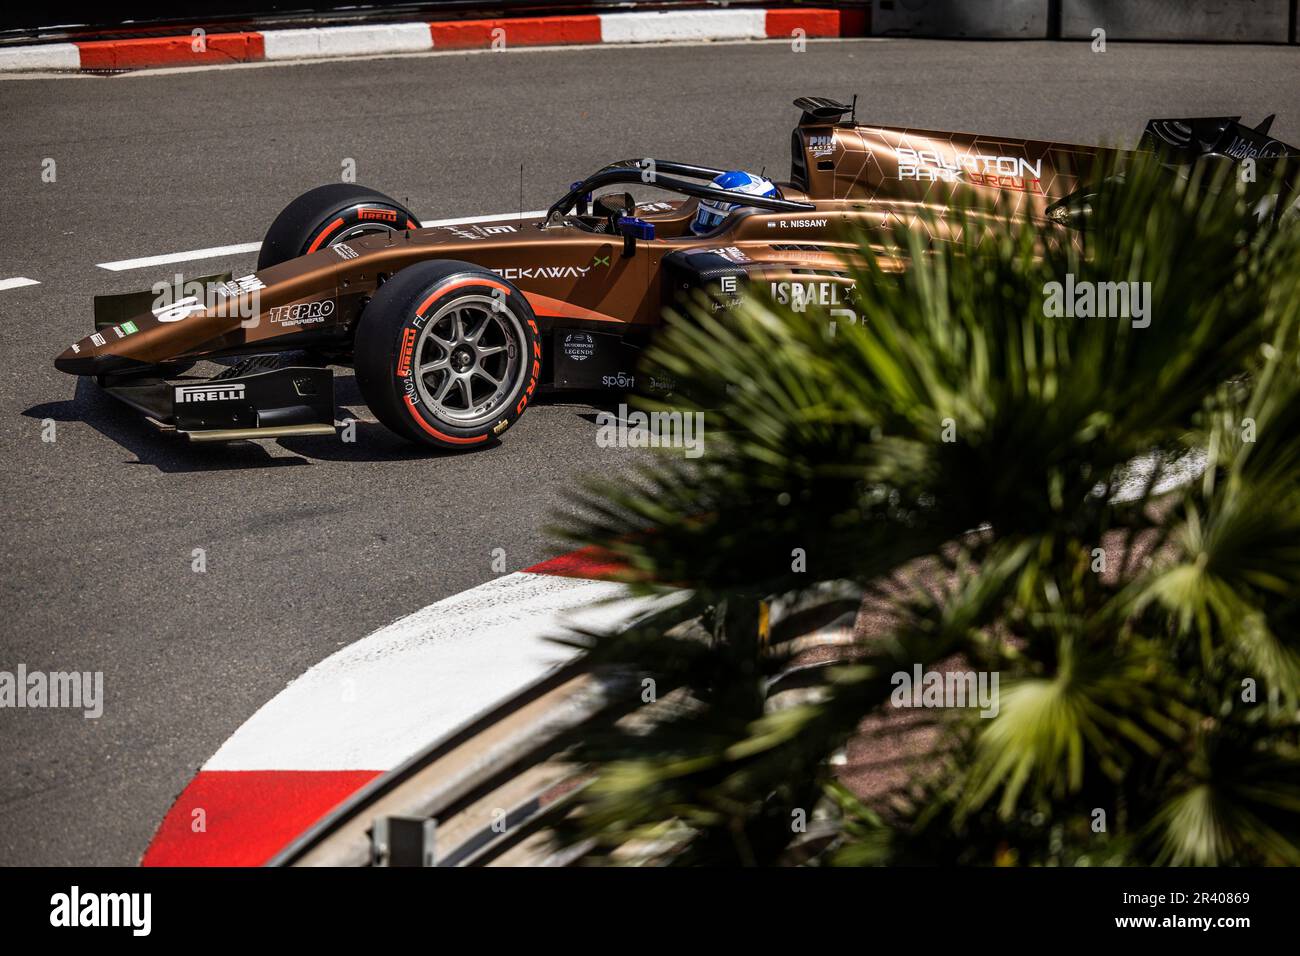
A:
[(145, 262), (124, 264), (17, 282)]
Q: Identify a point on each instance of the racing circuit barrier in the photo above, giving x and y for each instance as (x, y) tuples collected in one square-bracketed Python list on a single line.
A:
[(228, 44), (242, 34), (485, 794), (1235, 21)]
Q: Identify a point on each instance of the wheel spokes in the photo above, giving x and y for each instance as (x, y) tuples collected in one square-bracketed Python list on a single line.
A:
[(466, 363), (473, 337)]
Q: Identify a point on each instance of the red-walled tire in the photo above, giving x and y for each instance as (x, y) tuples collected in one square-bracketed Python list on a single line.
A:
[(328, 215), (448, 354)]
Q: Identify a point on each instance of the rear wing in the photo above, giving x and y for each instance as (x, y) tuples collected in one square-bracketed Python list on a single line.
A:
[(1186, 140), (1183, 142)]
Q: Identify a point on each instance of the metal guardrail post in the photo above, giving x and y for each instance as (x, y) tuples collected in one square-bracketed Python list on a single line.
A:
[(402, 841)]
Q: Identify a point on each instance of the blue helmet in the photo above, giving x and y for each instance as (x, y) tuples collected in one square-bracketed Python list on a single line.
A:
[(712, 212)]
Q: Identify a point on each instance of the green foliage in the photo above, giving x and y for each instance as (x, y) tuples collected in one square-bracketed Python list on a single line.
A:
[(957, 458)]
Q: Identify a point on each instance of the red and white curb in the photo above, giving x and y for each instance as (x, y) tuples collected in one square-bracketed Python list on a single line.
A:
[(656, 26), (367, 708)]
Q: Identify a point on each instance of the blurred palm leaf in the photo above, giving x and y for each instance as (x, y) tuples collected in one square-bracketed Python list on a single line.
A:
[(966, 459)]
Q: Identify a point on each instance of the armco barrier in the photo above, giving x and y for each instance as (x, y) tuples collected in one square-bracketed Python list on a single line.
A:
[(1235, 21), (987, 19)]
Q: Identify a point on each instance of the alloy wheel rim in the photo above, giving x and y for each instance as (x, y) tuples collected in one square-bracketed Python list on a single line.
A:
[(467, 360)]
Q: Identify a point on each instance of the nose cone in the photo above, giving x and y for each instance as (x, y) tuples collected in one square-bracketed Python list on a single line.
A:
[(76, 360), (86, 358)]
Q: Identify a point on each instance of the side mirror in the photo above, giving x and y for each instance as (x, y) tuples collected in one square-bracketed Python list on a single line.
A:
[(615, 204), (633, 229)]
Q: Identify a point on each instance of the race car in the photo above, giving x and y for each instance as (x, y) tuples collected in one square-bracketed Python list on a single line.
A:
[(452, 330)]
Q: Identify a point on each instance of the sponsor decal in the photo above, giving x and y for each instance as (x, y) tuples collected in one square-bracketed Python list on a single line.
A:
[(800, 295), (732, 254), (97, 339), (130, 328), (802, 223), (536, 370), (178, 310), (303, 313), (500, 426), (621, 380), (655, 206), (930, 165), (240, 285), (729, 295), (407, 353), (821, 144), (210, 392), (473, 231), (345, 251), (543, 272), (578, 346), (76, 349), (381, 215), (1016, 183), (235, 297), (1241, 148)]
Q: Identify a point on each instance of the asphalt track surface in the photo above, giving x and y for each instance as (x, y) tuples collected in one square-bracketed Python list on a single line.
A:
[(313, 543)]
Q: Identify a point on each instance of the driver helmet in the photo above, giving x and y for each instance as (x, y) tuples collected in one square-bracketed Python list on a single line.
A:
[(712, 212)]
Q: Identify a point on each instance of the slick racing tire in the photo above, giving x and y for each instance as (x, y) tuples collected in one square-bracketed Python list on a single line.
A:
[(327, 216), (448, 354)]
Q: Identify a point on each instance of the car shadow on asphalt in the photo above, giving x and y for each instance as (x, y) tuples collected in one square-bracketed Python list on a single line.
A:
[(91, 406), (363, 441), (360, 439)]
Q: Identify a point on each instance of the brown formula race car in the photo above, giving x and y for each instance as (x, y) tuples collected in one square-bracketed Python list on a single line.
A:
[(453, 329)]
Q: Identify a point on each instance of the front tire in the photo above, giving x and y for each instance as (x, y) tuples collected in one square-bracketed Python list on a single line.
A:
[(448, 354), (328, 215)]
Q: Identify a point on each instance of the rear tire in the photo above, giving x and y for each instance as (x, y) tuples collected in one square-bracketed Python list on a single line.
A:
[(448, 354), (328, 215)]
